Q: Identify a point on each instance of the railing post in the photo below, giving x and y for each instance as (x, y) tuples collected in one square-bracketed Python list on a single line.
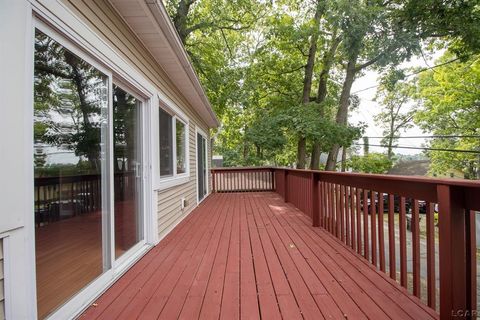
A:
[(452, 253), (471, 248), (285, 185), (315, 201), (213, 180), (274, 185)]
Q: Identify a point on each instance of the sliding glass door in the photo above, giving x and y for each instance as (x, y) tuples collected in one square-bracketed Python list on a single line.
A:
[(70, 147), (88, 173)]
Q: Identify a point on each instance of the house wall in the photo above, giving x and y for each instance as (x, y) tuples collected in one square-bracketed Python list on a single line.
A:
[(17, 227), (102, 18)]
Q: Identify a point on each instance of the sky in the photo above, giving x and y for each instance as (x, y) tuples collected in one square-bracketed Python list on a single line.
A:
[(369, 108)]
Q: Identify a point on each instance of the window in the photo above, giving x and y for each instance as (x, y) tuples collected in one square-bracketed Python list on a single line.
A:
[(166, 144), (173, 145), (181, 147)]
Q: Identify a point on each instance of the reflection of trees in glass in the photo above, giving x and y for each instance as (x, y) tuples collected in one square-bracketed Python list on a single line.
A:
[(124, 129), (70, 96), (180, 136)]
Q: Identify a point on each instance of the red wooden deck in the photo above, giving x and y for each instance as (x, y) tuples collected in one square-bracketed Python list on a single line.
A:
[(251, 256)]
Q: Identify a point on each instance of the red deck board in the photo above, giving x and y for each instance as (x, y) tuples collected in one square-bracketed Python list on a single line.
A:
[(251, 256), (266, 294), (248, 290)]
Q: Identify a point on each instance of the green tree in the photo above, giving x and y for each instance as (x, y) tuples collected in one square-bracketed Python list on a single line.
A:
[(449, 104), (371, 163), (395, 116)]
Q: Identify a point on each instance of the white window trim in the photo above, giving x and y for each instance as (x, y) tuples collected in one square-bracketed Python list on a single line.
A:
[(166, 182)]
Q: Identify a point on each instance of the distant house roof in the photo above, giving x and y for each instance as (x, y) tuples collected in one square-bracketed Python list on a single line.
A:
[(149, 20), (410, 168)]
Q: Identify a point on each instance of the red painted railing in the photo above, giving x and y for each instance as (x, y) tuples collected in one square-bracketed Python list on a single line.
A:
[(390, 221), (242, 179)]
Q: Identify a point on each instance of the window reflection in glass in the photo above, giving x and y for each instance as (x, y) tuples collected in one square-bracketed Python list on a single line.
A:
[(181, 140), (70, 119), (127, 169), (166, 144)]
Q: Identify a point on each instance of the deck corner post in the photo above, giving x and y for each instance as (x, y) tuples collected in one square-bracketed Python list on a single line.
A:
[(274, 184), (315, 200), (285, 184), (452, 253), (213, 181)]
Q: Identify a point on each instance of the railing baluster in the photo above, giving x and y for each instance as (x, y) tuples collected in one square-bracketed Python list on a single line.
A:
[(431, 292), (391, 237), (415, 248), (403, 244), (342, 212), (338, 211), (366, 247), (373, 226), (347, 217), (359, 220), (381, 237), (333, 222), (352, 219)]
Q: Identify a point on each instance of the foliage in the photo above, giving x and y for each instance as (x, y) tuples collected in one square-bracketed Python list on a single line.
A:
[(67, 88), (252, 57), (449, 104), (371, 163), (395, 116)]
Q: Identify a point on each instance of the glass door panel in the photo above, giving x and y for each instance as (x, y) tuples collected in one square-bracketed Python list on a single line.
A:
[(127, 169), (70, 139)]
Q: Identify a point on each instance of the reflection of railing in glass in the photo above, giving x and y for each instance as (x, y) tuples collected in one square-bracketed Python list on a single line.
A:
[(70, 121), (57, 198)]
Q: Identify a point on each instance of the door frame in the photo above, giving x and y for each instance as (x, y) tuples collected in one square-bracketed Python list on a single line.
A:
[(57, 21), (207, 175)]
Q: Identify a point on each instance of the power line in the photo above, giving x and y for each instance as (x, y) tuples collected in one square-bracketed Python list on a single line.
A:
[(420, 148), (429, 137), (413, 73)]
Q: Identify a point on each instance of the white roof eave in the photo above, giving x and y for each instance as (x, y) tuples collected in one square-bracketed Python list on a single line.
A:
[(149, 20)]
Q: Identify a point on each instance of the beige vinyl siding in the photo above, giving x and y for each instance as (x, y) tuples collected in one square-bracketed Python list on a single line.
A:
[(2, 287), (104, 21)]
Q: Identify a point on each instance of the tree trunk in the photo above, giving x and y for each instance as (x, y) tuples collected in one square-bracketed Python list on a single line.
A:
[(342, 112), (344, 159), (180, 19), (301, 153), (315, 159), (328, 59), (390, 147), (307, 82)]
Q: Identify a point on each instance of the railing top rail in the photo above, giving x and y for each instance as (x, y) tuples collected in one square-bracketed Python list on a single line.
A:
[(417, 179), (242, 169)]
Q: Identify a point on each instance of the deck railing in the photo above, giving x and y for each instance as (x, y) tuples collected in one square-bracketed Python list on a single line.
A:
[(242, 179), (391, 221), (75, 193)]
